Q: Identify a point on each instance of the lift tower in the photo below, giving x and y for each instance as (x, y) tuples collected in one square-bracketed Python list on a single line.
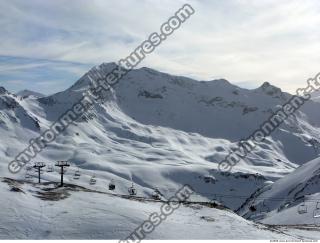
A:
[(62, 164), (39, 166)]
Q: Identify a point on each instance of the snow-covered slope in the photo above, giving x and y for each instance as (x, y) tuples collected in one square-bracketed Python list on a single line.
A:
[(78, 213), (14, 117), (294, 199), (159, 130), (29, 94)]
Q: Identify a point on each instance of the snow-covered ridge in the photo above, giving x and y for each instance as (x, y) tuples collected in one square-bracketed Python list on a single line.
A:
[(28, 93)]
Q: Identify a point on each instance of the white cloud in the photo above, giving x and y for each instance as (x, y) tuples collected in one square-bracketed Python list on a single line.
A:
[(245, 41)]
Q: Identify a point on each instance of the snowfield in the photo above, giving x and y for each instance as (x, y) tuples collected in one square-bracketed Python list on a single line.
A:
[(74, 213), (156, 131)]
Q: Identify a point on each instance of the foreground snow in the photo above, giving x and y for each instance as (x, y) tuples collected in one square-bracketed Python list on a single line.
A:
[(30, 211)]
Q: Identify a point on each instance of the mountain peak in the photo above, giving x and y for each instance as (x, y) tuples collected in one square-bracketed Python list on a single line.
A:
[(3, 90), (92, 75), (26, 93), (269, 89), (107, 66), (221, 81), (267, 85)]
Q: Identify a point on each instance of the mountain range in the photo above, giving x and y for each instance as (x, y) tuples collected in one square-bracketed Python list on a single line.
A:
[(157, 130)]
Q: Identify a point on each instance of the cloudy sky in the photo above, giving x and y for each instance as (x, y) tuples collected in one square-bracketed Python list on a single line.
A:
[(46, 45)]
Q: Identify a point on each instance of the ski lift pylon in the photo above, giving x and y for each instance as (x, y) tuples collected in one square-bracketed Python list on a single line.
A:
[(65, 170)]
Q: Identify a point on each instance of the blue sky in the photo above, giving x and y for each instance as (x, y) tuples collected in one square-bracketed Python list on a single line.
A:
[(47, 45), (46, 76)]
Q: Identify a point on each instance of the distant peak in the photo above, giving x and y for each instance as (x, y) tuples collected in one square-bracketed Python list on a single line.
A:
[(93, 74), (3, 90), (108, 65), (26, 93), (148, 69), (265, 85), (103, 69), (269, 89), (221, 81)]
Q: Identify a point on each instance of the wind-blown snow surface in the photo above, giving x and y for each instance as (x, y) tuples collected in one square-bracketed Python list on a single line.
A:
[(163, 131), (78, 214)]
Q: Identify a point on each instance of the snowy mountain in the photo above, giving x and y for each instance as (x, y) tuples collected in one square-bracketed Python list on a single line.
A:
[(14, 116), (177, 124), (28, 93), (162, 131)]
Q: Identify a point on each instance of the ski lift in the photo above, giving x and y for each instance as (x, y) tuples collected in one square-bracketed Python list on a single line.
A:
[(220, 200), (93, 180), (265, 208), (64, 171), (316, 212), (132, 191), (112, 186), (209, 179), (302, 208), (35, 169), (217, 200), (50, 169), (253, 208), (214, 200), (77, 175), (156, 194), (28, 168)]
